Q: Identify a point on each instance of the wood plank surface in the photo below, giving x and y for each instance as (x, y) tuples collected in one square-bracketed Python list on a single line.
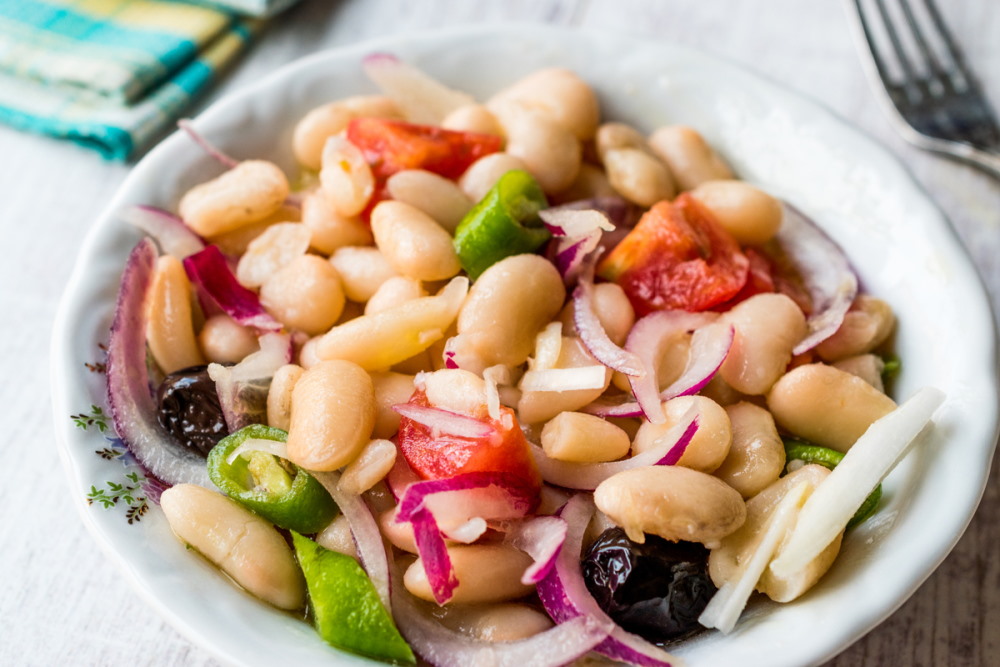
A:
[(61, 600)]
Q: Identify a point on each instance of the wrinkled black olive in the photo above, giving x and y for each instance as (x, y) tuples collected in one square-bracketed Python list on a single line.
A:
[(188, 407), (656, 590)]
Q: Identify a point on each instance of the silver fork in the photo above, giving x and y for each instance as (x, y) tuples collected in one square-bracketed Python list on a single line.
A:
[(929, 92)]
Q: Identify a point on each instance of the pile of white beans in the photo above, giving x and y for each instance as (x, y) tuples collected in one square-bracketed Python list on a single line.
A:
[(374, 304)]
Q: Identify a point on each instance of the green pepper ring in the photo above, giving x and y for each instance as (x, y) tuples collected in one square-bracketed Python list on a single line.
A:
[(306, 508), (829, 458)]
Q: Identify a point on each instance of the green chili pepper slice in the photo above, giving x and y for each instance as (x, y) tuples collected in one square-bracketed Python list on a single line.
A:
[(504, 223), (279, 491), (346, 609), (829, 458)]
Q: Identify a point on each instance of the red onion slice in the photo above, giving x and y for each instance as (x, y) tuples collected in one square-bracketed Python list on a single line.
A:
[(171, 234), (367, 537), (587, 476), (454, 502), (709, 347), (444, 421), (592, 332), (133, 409), (443, 647), (646, 341), (496, 496), (421, 98), (204, 144), (542, 539), (824, 269), (569, 255), (209, 270), (565, 596)]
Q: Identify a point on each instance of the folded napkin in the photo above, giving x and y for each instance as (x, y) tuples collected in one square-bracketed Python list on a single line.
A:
[(115, 74)]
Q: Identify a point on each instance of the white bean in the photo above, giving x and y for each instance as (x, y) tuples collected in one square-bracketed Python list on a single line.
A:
[(170, 329), (485, 572), (240, 543), (752, 216), (369, 468), (279, 395), (767, 327), (329, 119), (560, 94), (226, 341), (550, 151), (472, 118), (346, 177), (333, 413), (247, 193), (674, 502), (394, 292), (390, 389), (710, 444), (437, 196), (483, 174), (583, 438), (757, 455), (305, 295), (413, 243), (274, 249), (330, 230), (362, 270), (688, 156), (826, 406)]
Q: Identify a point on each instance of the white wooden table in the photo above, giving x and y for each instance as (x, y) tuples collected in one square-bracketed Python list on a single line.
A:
[(62, 602)]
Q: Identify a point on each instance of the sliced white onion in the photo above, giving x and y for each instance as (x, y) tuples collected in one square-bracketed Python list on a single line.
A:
[(575, 223), (171, 234), (493, 377), (867, 462), (548, 346), (587, 476), (825, 270), (421, 98), (367, 537), (273, 447), (444, 421), (565, 596), (541, 538), (242, 388), (564, 379), (468, 532), (132, 407), (725, 607)]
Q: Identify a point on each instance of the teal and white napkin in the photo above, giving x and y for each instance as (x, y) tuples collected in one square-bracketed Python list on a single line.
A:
[(115, 74)]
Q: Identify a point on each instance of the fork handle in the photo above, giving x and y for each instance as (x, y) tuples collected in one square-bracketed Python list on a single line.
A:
[(983, 159)]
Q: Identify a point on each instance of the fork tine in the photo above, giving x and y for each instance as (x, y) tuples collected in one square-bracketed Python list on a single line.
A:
[(987, 130), (897, 46), (876, 52), (933, 64)]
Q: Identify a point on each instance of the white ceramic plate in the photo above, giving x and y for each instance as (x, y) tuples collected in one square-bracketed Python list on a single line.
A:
[(900, 243)]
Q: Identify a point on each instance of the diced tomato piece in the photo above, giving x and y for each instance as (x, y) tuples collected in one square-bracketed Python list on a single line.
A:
[(442, 456), (677, 257), (760, 279), (390, 146)]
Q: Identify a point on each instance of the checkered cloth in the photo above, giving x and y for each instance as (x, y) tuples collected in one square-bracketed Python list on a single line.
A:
[(113, 75)]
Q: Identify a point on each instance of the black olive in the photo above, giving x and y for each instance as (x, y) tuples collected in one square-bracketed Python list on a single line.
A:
[(188, 407), (656, 590)]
